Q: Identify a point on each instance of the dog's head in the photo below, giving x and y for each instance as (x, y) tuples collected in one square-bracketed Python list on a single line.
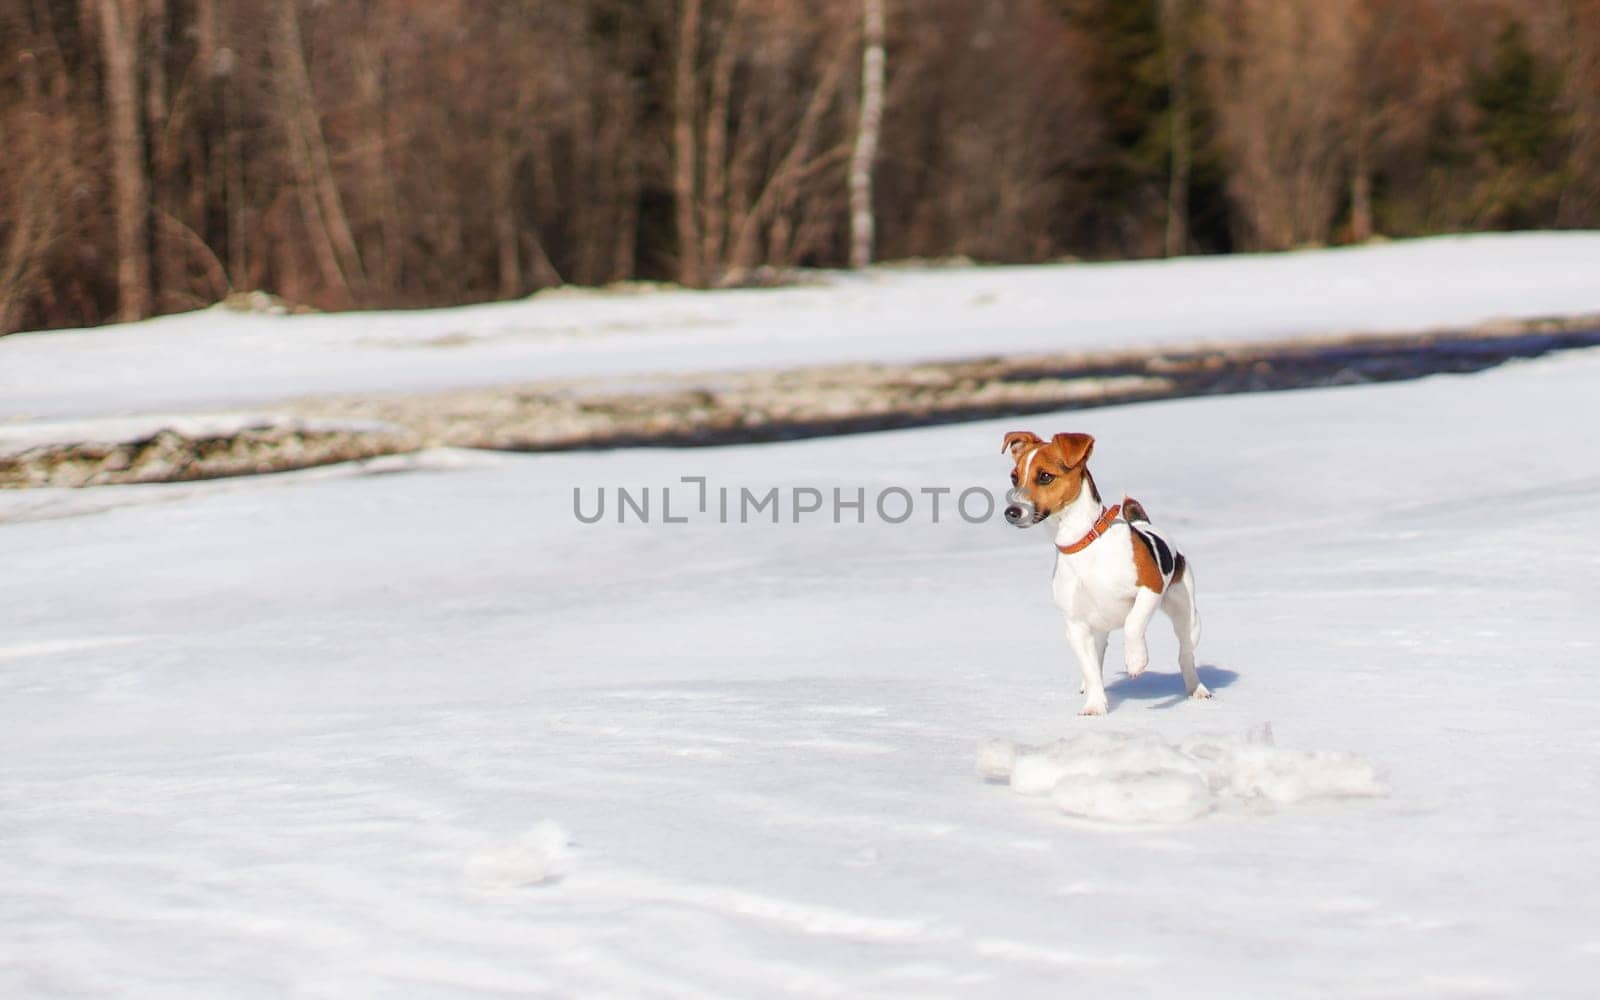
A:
[(1046, 475)]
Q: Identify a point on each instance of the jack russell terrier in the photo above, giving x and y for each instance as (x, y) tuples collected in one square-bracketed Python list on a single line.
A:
[(1113, 569)]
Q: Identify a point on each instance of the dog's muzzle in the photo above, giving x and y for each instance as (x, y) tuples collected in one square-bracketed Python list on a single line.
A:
[(1019, 510)]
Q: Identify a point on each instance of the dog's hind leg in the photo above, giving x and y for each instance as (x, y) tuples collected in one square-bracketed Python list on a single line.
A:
[(1180, 607), (1135, 655)]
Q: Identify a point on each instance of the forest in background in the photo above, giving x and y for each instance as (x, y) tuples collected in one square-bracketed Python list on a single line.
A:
[(159, 155)]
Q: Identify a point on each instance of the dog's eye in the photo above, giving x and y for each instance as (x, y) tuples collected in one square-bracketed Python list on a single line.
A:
[(1013, 477), (1045, 478)]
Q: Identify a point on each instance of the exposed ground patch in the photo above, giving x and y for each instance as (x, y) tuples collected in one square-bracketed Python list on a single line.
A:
[(164, 450), (736, 408), (741, 407)]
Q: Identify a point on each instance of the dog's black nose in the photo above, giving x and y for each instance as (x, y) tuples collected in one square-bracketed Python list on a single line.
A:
[(1013, 513)]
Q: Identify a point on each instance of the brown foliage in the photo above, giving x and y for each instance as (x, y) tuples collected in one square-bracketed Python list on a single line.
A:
[(159, 154)]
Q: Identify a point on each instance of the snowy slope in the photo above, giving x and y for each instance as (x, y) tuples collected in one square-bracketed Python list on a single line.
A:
[(421, 734), (216, 359)]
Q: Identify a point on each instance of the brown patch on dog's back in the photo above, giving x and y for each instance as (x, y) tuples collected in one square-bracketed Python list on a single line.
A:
[(1146, 569), (1177, 571)]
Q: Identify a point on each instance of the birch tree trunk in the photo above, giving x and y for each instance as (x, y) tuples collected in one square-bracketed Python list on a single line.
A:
[(119, 27), (869, 124)]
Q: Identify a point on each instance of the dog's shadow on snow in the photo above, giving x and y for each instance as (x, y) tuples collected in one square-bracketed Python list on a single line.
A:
[(1167, 687)]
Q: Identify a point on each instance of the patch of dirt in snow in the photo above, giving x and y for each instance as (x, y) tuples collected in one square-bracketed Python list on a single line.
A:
[(740, 407), (164, 449), (1139, 779), (753, 406)]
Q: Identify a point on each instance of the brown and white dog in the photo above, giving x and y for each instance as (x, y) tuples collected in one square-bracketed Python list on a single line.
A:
[(1113, 568)]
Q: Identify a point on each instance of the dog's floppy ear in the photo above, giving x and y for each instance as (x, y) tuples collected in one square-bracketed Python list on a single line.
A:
[(1074, 448), (1018, 440)]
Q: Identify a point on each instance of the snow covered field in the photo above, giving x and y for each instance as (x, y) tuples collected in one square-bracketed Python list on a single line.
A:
[(411, 730), (216, 358)]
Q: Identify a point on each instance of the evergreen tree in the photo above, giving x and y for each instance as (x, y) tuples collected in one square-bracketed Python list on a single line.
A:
[(1521, 129), (1125, 180)]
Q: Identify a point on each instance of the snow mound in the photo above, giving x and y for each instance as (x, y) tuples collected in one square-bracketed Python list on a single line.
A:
[(542, 854), (1140, 779)]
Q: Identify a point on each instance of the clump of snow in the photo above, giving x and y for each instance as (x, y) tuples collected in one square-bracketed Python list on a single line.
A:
[(541, 854), (1141, 779), (996, 760), (1136, 799)]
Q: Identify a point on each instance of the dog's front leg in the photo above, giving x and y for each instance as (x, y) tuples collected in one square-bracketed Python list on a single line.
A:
[(1089, 646), (1099, 657)]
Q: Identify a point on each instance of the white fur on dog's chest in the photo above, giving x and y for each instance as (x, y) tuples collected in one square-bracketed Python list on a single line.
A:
[(1096, 586)]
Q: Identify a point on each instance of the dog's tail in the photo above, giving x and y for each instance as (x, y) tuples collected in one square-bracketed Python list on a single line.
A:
[(1183, 582), (1133, 510)]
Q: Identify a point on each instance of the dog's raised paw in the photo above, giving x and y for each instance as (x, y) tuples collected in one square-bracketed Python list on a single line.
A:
[(1135, 656)]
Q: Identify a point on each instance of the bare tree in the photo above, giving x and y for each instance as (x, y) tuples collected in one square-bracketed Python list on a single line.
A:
[(158, 153), (753, 161), (1580, 196), (982, 153), (322, 207), (684, 90), (119, 22), (1175, 52), (30, 193), (869, 123), (779, 207), (1377, 102), (1282, 85)]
